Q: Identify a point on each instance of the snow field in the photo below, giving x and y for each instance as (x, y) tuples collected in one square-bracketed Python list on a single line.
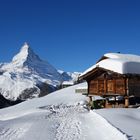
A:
[(63, 115)]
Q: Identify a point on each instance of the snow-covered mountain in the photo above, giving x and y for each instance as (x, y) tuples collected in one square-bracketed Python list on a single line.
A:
[(69, 76), (27, 76)]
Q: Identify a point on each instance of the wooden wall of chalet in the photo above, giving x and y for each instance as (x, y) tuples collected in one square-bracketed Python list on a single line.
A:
[(134, 86), (107, 85)]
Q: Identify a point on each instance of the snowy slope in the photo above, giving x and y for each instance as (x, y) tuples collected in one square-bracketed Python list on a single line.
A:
[(127, 120), (28, 76), (61, 115)]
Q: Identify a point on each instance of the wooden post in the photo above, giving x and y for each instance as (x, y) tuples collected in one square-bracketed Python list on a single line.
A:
[(90, 98), (88, 86), (106, 103), (90, 102), (98, 87), (126, 87), (126, 101), (105, 87), (114, 84)]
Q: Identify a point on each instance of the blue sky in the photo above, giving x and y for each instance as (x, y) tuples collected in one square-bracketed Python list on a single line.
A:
[(71, 34)]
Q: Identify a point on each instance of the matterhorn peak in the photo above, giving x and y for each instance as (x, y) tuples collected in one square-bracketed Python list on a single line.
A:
[(25, 49), (25, 46), (25, 54), (28, 76)]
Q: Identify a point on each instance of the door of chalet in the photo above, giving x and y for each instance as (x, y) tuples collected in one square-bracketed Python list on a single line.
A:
[(111, 87), (101, 89)]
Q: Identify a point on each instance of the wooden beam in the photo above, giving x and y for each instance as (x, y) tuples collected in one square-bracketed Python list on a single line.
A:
[(105, 86), (98, 87), (126, 102), (114, 85), (126, 87)]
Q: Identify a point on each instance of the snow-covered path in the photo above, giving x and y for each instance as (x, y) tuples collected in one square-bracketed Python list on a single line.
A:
[(61, 115), (61, 122)]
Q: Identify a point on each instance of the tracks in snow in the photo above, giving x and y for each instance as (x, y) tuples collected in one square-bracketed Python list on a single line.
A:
[(60, 122), (12, 132), (67, 124)]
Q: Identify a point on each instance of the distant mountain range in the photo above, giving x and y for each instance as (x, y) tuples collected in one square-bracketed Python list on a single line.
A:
[(27, 76)]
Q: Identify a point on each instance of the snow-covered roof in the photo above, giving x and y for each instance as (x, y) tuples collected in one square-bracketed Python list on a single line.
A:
[(120, 63)]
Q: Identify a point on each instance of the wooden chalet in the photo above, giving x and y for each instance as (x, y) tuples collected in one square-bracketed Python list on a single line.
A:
[(115, 77)]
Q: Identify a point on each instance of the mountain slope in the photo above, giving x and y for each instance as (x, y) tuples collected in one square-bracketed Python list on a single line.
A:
[(69, 76), (62, 115), (27, 76)]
